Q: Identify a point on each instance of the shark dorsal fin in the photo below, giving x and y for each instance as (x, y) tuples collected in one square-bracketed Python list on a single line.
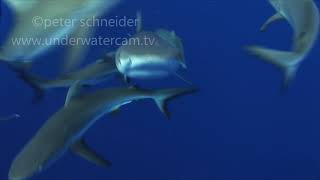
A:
[(139, 22), (74, 91), (82, 149)]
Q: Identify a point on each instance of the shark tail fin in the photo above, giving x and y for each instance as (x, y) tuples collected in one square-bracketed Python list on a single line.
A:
[(288, 62), (35, 82), (162, 97), (21, 68)]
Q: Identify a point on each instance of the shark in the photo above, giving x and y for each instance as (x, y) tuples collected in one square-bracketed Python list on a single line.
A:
[(303, 17), (29, 25), (151, 54), (65, 129), (91, 74)]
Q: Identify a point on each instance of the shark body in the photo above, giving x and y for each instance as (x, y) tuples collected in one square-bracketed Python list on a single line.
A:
[(151, 55), (65, 129), (92, 74), (29, 25), (303, 16)]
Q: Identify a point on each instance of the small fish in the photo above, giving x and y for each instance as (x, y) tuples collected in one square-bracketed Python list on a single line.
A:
[(65, 129), (303, 16), (11, 117)]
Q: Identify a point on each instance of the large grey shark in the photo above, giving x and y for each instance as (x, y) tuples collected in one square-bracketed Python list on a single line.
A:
[(303, 16), (92, 74), (29, 25), (151, 55), (65, 129)]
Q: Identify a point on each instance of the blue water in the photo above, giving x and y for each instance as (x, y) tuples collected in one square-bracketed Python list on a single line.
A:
[(237, 127)]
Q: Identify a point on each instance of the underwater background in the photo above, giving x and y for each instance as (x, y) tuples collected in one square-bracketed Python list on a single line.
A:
[(237, 127)]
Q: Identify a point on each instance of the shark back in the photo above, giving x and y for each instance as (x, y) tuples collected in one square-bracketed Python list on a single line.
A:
[(303, 16)]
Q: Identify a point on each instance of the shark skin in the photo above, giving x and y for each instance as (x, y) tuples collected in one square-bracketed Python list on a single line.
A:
[(91, 74), (151, 55), (29, 20), (65, 129), (303, 16)]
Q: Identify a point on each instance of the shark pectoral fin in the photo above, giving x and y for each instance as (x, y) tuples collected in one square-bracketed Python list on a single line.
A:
[(271, 20), (139, 24), (161, 97), (82, 149), (74, 91)]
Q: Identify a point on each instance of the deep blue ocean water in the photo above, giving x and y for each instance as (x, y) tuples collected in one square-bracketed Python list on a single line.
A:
[(237, 127)]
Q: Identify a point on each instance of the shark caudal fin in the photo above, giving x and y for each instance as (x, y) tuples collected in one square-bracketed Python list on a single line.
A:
[(288, 62), (162, 97), (21, 68), (35, 82)]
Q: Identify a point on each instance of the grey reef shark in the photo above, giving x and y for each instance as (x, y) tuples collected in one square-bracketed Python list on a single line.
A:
[(303, 16), (91, 74), (29, 25), (65, 129), (151, 55)]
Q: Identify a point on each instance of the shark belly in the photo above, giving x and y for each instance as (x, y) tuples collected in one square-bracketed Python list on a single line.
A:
[(152, 68)]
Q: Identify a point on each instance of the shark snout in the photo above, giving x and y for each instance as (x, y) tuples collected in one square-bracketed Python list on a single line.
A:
[(15, 175), (21, 171)]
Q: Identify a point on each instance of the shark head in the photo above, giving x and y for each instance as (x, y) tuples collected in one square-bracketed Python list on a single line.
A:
[(22, 170)]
